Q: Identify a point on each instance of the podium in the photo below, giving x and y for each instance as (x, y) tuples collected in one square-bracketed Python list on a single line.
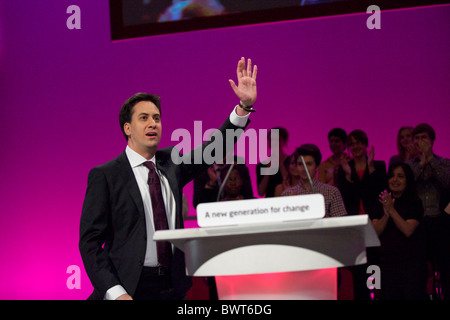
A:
[(282, 260)]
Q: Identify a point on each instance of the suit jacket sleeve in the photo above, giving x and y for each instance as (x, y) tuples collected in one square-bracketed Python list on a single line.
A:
[(93, 233)]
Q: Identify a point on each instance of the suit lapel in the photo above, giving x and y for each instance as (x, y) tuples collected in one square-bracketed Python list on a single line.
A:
[(162, 164), (124, 167)]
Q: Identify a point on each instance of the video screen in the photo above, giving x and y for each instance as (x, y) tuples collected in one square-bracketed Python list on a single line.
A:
[(138, 18), (137, 12)]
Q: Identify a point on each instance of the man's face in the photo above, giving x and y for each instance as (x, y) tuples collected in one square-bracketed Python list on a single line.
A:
[(144, 130), (422, 141), (310, 164), (336, 145)]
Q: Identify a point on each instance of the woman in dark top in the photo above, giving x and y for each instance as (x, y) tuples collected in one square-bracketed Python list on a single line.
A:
[(397, 223), (360, 181)]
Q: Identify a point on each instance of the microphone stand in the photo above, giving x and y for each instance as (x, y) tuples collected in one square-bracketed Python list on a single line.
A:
[(224, 181), (307, 173)]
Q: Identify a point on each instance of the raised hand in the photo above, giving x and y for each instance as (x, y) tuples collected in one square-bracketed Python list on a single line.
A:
[(246, 87)]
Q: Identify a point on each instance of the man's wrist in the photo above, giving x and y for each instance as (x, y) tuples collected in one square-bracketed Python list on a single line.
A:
[(246, 106), (239, 117)]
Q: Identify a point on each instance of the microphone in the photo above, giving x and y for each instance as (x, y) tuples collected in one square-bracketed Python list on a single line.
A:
[(224, 181), (307, 173)]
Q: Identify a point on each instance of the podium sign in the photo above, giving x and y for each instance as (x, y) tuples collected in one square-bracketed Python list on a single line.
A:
[(251, 211)]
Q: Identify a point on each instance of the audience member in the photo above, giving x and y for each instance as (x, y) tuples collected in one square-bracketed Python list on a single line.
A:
[(360, 181), (432, 174), (398, 224), (292, 177), (267, 183), (405, 146), (233, 189), (209, 181), (337, 139), (334, 206)]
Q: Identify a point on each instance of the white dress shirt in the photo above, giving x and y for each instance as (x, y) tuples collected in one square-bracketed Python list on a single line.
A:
[(141, 175)]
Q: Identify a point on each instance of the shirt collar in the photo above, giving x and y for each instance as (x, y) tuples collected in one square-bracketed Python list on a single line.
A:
[(136, 159)]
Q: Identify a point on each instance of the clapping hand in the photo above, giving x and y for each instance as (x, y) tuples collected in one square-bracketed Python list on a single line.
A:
[(387, 201), (425, 147)]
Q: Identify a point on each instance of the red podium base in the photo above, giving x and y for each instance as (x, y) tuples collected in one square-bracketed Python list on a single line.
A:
[(301, 285)]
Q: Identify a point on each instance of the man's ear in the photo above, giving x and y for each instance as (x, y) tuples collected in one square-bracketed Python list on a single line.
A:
[(127, 129)]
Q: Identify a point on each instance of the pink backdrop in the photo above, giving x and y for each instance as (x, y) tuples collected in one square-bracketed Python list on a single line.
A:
[(61, 91)]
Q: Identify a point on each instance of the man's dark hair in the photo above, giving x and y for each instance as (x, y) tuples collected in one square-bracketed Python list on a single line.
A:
[(340, 133), (309, 149), (424, 127), (127, 108)]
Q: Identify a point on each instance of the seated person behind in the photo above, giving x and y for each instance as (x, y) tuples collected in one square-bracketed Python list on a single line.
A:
[(267, 183), (292, 178), (337, 139), (233, 189), (334, 206), (209, 181)]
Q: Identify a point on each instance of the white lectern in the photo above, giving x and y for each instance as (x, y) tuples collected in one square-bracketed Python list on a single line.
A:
[(282, 260)]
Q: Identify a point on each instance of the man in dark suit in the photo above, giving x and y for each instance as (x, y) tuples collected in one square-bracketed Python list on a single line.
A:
[(117, 227)]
